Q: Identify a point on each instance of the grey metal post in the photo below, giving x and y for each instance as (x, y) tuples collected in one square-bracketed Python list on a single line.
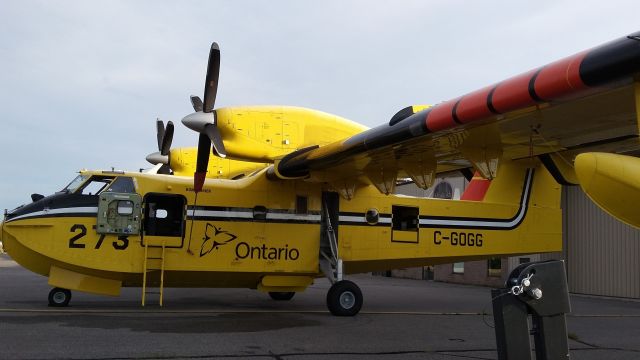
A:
[(539, 289)]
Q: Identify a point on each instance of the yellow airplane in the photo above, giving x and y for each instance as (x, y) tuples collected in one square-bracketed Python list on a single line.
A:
[(325, 205)]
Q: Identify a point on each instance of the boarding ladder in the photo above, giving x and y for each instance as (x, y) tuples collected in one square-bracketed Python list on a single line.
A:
[(153, 262)]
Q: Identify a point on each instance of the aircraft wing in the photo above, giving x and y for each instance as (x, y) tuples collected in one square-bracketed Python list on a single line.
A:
[(585, 102)]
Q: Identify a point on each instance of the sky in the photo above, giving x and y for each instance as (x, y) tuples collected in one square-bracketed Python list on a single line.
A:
[(82, 82)]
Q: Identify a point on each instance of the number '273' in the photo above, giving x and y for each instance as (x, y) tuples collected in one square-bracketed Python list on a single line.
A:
[(121, 243)]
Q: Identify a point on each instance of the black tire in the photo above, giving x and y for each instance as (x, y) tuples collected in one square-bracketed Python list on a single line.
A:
[(59, 297), (281, 295), (344, 298)]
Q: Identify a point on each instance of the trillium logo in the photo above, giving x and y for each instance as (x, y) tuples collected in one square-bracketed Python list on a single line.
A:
[(214, 238)]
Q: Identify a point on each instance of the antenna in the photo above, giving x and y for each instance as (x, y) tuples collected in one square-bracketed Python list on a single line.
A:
[(193, 219)]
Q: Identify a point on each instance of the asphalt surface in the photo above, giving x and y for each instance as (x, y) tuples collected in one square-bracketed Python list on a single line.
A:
[(400, 319)]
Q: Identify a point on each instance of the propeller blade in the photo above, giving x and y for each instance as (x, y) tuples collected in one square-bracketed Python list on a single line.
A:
[(167, 139), (211, 82), (216, 140), (204, 144), (164, 169), (159, 132), (197, 103)]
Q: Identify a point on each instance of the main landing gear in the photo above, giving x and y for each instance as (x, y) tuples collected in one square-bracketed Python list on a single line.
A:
[(59, 297), (344, 297)]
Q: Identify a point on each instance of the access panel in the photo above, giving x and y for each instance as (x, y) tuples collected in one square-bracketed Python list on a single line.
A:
[(119, 213)]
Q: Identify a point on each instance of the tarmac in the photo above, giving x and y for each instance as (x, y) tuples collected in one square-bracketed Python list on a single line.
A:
[(400, 319)]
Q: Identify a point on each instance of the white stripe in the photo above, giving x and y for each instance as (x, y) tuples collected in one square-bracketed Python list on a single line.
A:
[(349, 218), (222, 213), (494, 223), (249, 215), (285, 216), (361, 219), (83, 210)]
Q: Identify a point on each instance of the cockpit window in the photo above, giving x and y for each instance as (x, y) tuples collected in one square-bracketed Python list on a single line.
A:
[(95, 185), (75, 183), (122, 184)]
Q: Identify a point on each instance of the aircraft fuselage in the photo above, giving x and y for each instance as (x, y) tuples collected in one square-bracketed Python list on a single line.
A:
[(267, 234)]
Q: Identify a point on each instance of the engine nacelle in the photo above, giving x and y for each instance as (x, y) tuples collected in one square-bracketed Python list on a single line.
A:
[(266, 133), (183, 163)]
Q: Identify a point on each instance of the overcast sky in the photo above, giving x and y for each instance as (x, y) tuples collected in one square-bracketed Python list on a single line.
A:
[(82, 82)]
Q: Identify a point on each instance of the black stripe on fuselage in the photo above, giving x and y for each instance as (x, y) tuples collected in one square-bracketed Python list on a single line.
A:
[(451, 222), (60, 200), (363, 222), (238, 219), (44, 216), (256, 214)]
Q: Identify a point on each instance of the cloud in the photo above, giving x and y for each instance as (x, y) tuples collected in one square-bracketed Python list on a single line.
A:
[(82, 82)]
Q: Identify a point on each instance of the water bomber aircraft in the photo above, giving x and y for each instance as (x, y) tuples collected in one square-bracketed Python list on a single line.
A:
[(292, 194)]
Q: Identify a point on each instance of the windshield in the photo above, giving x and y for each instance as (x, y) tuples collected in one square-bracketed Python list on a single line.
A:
[(95, 185), (75, 184)]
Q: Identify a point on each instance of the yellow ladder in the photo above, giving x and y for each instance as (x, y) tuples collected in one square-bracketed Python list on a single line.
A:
[(148, 267)]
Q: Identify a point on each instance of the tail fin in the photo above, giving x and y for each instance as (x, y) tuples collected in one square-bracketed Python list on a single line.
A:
[(476, 189), (509, 186)]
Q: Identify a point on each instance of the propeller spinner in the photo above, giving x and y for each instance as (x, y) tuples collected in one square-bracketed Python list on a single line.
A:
[(203, 120), (165, 136)]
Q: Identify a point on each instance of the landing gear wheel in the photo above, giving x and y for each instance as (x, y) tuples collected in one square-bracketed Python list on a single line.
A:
[(344, 298), (59, 297), (282, 295)]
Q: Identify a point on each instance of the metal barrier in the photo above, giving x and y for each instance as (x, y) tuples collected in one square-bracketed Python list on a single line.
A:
[(538, 289)]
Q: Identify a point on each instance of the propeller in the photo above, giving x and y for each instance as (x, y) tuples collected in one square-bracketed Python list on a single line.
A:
[(204, 121), (165, 136)]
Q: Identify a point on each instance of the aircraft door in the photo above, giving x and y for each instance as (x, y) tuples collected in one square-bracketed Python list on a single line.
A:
[(164, 220), (119, 213)]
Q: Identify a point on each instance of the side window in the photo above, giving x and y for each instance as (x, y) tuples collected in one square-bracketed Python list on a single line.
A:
[(164, 215), (122, 184), (443, 191), (95, 185), (405, 218)]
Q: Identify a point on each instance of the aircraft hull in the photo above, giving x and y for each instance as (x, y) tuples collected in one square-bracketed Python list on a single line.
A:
[(254, 233)]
